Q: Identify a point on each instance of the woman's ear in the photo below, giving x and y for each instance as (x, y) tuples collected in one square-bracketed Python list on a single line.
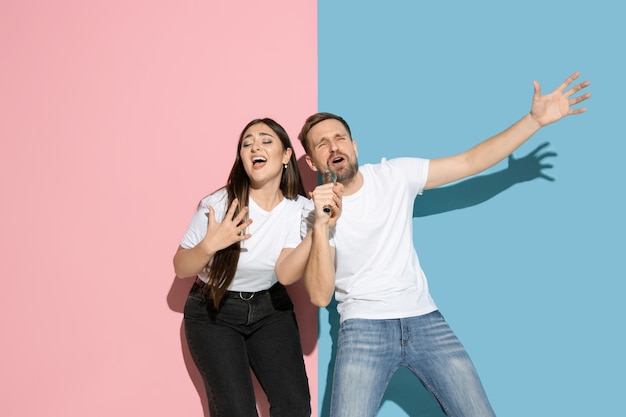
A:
[(287, 155)]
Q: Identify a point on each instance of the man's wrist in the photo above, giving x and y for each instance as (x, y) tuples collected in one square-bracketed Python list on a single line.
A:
[(533, 122)]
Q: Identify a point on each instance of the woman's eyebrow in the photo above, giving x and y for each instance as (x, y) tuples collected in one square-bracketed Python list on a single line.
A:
[(260, 134)]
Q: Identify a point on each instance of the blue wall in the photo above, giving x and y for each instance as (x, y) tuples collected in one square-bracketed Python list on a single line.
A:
[(524, 261)]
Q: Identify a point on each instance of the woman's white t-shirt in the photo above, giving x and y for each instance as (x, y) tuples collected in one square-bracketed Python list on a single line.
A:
[(271, 231)]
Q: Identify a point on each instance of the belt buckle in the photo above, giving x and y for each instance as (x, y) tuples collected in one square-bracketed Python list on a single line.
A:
[(244, 298)]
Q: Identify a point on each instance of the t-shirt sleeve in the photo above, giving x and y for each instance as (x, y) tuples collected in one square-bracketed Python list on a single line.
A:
[(196, 231), (307, 216), (415, 170)]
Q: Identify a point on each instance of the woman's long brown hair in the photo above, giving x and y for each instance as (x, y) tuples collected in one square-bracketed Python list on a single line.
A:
[(222, 267)]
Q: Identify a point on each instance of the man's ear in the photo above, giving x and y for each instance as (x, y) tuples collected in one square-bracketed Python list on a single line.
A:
[(310, 163), (356, 151)]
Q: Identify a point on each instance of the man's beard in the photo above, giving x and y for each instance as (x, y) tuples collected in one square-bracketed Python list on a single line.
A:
[(346, 175)]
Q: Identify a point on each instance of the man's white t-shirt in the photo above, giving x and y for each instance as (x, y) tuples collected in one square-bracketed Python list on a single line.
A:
[(271, 231), (378, 274)]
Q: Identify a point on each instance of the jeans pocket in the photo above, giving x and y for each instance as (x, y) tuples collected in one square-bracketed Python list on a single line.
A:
[(198, 305)]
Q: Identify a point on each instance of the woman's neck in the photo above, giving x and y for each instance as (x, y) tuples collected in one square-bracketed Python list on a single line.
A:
[(267, 199)]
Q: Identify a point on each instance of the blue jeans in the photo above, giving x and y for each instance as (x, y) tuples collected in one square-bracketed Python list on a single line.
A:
[(258, 333), (370, 351)]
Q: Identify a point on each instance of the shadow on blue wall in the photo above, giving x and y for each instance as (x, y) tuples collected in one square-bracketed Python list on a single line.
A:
[(404, 389)]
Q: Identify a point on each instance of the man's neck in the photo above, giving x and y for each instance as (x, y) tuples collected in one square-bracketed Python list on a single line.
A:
[(353, 185)]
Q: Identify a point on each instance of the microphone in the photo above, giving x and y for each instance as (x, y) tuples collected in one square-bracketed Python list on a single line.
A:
[(328, 176)]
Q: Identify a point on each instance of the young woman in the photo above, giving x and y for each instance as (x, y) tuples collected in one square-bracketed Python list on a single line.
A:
[(239, 248)]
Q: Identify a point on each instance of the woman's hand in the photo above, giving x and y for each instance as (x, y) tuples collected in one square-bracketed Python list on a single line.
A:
[(231, 230)]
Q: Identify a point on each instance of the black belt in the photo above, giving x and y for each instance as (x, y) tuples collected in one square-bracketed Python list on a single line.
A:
[(242, 295)]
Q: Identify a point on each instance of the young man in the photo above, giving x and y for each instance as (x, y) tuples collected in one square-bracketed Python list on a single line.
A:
[(388, 318)]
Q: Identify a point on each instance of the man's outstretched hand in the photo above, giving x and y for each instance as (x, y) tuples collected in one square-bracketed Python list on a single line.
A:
[(557, 104)]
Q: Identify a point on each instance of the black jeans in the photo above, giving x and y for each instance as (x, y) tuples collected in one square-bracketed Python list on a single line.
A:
[(260, 333)]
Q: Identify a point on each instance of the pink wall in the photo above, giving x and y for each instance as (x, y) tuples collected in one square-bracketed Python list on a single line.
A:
[(115, 118)]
